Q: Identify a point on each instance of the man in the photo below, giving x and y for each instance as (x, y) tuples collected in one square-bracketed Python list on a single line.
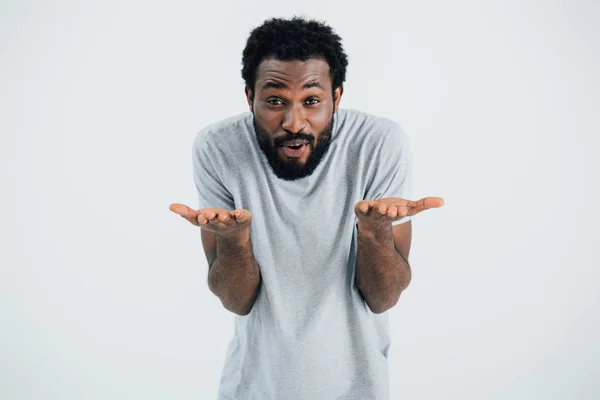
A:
[(305, 223)]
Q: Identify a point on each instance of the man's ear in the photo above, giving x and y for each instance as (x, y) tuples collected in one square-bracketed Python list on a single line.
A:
[(337, 96), (249, 97)]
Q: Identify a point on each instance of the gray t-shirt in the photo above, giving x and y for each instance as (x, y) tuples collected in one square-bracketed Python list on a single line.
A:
[(310, 334)]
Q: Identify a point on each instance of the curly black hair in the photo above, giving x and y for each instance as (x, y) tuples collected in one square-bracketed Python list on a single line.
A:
[(294, 39)]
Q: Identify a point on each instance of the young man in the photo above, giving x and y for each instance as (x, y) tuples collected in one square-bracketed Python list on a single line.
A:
[(305, 223)]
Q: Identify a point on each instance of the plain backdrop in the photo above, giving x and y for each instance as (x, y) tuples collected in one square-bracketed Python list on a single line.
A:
[(103, 291)]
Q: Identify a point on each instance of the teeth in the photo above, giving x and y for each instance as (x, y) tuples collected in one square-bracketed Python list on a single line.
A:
[(295, 143)]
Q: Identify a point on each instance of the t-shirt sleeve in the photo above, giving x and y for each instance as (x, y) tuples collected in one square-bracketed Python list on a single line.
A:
[(393, 169), (212, 191)]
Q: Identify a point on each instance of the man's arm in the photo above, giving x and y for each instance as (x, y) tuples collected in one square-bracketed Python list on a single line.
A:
[(234, 274), (382, 271)]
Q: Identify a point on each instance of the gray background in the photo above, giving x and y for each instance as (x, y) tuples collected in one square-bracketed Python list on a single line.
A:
[(103, 290)]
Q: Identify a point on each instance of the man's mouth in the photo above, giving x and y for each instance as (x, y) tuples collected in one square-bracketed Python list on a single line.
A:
[(294, 150), (294, 143)]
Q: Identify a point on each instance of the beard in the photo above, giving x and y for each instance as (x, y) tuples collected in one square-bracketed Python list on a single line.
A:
[(292, 169)]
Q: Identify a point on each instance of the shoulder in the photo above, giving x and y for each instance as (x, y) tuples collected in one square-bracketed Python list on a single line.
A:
[(222, 132), (372, 129)]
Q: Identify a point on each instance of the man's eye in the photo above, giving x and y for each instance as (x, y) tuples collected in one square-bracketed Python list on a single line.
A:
[(312, 102), (275, 102)]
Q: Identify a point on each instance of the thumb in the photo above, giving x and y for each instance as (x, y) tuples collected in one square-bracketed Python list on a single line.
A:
[(184, 211)]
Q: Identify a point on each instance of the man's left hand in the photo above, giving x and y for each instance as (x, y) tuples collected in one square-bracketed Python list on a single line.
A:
[(378, 213)]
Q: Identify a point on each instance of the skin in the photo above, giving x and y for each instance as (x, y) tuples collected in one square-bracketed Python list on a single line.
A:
[(382, 268), (233, 273), (295, 99)]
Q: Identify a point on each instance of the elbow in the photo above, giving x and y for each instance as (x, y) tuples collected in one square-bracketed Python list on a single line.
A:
[(379, 310), (383, 303), (240, 305), (381, 307), (239, 309)]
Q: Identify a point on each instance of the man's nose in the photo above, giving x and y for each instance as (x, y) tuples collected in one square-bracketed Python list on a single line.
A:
[(294, 120)]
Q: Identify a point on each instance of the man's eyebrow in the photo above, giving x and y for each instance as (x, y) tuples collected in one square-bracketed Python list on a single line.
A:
[(279, 85), (312, 85), (274, 85)]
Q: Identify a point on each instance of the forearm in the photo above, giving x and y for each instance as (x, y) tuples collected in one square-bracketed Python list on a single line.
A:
[(234, 275), (381, 271)]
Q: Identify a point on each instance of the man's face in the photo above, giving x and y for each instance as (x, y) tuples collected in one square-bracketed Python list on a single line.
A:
[(293, 104)]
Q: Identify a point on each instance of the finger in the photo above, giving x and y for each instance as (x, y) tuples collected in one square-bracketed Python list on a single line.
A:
[(185, 212), (364, 206), (392, 211), (225, 218), (402, 211), (429, 202), (242, 216), (182, 210), (202, 220), (434, 202), (214, 218), (381, 209), (209, 215), (423, 204)]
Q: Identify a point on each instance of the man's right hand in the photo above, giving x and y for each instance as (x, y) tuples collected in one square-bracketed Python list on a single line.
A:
[(218, 220)]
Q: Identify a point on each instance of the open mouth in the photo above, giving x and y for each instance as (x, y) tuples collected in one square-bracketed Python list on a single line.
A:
[(295, 150)]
